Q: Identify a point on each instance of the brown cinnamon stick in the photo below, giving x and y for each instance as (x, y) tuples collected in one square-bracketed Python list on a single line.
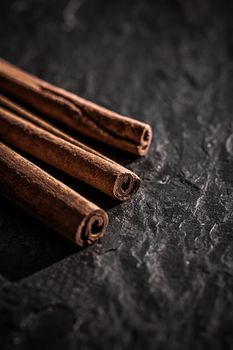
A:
[(48, 199), (107, 176), (82, 115), (44, 124)]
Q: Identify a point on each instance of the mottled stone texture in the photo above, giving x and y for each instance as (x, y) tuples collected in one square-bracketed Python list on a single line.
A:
[(162, 278)]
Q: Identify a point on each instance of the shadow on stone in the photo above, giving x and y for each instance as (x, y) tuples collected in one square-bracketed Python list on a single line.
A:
[(26, 244)]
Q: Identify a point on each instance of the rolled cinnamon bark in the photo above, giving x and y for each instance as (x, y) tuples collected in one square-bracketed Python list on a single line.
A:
[(44, 124), (107, 176), (82, 115), (49, 200)]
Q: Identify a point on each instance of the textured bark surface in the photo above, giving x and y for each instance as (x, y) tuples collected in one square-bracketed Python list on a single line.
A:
[(82, 115), (107, 176), (162, 278), (49, 200)]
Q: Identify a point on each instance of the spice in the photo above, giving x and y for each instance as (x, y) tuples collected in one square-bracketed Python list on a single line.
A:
[(106, 175), (82, 115), (28, 115), (48, 199)]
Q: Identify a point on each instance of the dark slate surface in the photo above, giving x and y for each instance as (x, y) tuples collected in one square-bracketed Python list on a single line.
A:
[(162, 278)]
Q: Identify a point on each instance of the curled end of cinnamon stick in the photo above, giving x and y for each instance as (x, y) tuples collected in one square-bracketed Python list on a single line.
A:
[(92, 228), (126, 185), (145, 140)]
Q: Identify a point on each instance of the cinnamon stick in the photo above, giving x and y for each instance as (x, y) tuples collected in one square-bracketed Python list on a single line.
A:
[(44, 124), (82, 115), (107, 176), (49, 200)]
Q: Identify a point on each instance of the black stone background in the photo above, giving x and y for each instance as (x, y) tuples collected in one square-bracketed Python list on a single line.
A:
[(162, 277)]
